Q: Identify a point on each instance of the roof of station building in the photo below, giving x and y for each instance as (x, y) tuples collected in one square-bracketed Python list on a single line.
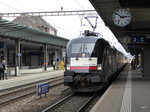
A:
[(34, 21), (16, 31)]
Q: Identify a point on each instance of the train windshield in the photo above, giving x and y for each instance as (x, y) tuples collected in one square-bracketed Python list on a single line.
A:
[(88, 47), (79, 48)]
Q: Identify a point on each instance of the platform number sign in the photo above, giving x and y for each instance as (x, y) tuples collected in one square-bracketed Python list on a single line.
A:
[(138, 39)]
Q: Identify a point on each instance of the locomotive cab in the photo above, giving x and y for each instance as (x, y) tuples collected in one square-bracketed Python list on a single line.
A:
[(84, 61), (91, 62)]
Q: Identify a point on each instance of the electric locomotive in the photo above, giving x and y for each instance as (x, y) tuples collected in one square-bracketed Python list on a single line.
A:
[(90, 62)]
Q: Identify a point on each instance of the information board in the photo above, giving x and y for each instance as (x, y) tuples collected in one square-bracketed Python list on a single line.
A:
[(42, 89), (138, 39)]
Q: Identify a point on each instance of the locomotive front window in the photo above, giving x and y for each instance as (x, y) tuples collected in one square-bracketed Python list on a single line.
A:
[(89, 47), (77, 48)]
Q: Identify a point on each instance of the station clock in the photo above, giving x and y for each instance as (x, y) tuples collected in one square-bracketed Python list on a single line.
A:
[(121, 17)]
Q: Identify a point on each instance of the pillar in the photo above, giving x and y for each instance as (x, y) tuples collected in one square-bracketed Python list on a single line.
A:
[(146, 63), (56, 54), (17, 58), (63, 53), (45, 57)]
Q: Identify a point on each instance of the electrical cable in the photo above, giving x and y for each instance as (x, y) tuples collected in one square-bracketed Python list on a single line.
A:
[(62, 28), (79, 4), (21, 4), (9, 6)]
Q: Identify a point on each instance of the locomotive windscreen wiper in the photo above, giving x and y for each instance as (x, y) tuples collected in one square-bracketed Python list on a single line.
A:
[(88, 53), (78, 53)]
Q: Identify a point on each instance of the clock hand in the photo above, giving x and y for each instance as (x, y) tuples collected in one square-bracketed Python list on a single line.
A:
[(118, 14), (124, 16)]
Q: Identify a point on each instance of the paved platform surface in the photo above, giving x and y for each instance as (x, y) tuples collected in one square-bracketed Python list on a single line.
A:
[(128, 93), (15, 81)]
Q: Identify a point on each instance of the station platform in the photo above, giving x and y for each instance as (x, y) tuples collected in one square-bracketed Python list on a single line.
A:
[(24, 79), (128, 93)]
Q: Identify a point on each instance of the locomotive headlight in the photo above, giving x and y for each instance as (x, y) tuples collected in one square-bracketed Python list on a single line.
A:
[(99, 67), (68, 66)]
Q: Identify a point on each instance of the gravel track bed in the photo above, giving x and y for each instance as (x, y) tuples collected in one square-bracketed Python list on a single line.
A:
[(16, 89), (73, 103), (33, 103), (14, 95), (4, 99)]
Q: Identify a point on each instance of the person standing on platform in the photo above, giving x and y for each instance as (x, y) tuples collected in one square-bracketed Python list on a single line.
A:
[(1, 70), (57, 64), (4, 76), (62, 63), (53, 64)]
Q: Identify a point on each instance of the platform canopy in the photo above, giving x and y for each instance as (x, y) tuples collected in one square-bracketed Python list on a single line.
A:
[(140, 17), (16, 31)]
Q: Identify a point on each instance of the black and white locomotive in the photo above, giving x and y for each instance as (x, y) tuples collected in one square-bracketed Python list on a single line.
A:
[(91, 62)]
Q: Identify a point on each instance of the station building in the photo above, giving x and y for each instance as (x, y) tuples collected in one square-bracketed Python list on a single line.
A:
[(29, 44)]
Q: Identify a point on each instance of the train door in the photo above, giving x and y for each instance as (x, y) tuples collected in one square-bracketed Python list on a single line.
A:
[(106, 66), (109, 62), (113, 62)]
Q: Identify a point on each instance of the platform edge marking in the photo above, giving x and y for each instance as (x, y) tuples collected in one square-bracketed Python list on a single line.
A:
[(126, 101), (94, 109)]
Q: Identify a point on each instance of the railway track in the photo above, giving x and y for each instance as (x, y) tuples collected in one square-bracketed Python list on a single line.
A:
[(75, 102), (8, 98)]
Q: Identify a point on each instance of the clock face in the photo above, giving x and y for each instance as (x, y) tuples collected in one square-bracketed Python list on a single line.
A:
[(121, 17)]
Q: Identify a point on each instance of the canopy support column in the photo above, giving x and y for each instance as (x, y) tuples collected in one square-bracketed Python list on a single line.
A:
[(45, 57), (17, 58)]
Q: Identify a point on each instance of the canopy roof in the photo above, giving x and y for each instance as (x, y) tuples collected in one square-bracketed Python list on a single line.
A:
[(140, 20), (16, 31)]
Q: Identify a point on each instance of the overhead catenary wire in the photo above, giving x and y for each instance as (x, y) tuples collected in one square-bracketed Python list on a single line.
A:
[(79, 4), (67, 28), (20, 3), (9, 6)]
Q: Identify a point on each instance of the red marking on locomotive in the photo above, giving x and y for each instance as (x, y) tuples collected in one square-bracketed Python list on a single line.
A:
[(81, 68)]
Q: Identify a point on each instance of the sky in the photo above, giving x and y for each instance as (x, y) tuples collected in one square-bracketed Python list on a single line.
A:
[(68, 26)]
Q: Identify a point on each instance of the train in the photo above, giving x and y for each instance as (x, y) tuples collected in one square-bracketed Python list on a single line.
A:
[(91, 62)]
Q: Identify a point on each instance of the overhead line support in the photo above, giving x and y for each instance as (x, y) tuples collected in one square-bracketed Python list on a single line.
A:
[(51, 13)]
